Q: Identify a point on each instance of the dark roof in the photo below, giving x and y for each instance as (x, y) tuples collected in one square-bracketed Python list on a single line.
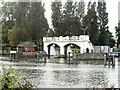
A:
[(26, 44)]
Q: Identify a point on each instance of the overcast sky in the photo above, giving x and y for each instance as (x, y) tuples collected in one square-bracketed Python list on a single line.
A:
[(112, 9)]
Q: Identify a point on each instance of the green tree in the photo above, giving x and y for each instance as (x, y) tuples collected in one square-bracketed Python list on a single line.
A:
[(90, 24), (7, 21), (103, 19), (57, 17), (118, 33), (37, 22), (19, 31), (73, 13), (67, 18), (111, 39), (50, 33), (30, 25)]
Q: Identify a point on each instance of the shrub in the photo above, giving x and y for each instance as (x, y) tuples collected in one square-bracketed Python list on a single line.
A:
[(9, 80)]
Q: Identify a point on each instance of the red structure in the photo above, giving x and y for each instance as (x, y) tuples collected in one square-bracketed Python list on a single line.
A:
[(27, 47)]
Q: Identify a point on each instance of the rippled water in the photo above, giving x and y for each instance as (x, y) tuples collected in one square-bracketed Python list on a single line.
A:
[(86, 74)]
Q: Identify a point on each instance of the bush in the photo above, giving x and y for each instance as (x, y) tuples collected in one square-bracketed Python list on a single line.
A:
[(10, 81)]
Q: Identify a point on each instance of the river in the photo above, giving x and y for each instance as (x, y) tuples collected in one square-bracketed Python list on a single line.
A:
[(57, 74)]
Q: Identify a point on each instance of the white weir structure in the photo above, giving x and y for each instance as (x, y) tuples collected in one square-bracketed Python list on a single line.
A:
[(64, 45)]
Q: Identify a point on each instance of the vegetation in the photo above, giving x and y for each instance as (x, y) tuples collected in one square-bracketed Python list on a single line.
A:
[(67, 18), (25, 21), (118, 33), (70, 19), (7, 22), (10, 81), (91, 24)]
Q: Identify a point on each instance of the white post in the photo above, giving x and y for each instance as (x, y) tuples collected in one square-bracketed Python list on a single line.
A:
[(105, 61), (82, 50), (61, 50), (45, 48)]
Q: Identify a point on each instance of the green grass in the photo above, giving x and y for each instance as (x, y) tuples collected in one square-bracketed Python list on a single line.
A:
[(75, 49)]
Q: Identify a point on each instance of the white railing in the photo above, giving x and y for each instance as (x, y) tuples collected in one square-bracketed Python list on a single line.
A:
[(67, 38)]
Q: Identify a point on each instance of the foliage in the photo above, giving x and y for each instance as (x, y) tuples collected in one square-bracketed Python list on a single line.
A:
[(67, 19), (9, 80), (103, 20), (57, 17), (105, 37), (75, 49), (38, 25), (73, 12), (24, 21), (50, 33), (90, 23), (7, 21), (118, 32)]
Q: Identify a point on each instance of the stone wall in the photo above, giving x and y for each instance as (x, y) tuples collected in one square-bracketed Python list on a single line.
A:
[(89, 56)]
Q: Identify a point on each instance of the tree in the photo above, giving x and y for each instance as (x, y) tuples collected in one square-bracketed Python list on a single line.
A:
[(7, 21), (111, 39), (103, 19), (73, 12), (30, 25), (90, 24), (118, 33), (37, 22), (57, 17), (80, 10), (67, 19), (19, 32)]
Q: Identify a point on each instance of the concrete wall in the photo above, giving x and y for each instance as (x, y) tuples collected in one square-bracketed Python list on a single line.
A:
[(101, 49), (90, 56)]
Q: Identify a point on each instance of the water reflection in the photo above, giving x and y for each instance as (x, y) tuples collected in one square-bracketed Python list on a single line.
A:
[(86, 74)]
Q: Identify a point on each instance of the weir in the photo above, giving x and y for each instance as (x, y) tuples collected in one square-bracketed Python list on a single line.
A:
[(60, 46)]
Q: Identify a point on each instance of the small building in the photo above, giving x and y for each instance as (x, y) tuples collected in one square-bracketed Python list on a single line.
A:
[(64, 45), (26, 47)]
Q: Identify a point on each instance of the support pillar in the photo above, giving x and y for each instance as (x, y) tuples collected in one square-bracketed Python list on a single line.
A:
[(46, 48), (61, 50)]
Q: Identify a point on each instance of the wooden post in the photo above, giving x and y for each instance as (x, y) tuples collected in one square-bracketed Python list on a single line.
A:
[(109, 60), (69, 57), (10, 56), (113, 61), (76, 58), (41, 56), (44, 57), (14, 56), (38, 56), (105, 59)]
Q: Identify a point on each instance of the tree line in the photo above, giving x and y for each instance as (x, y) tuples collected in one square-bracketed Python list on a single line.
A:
[(25, 21)]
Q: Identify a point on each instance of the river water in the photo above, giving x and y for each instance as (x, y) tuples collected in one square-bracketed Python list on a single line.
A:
[(58, 74)]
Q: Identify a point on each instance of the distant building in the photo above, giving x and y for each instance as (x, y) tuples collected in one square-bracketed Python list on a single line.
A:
[(26, 47)]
